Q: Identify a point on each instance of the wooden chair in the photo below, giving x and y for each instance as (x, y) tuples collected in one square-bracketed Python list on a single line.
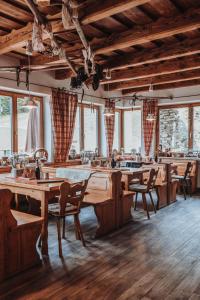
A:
[(185, 180), (69, 204), (145, 189)]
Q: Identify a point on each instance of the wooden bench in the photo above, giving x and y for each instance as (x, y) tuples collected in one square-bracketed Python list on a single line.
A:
[(111, 205), (19, 233)]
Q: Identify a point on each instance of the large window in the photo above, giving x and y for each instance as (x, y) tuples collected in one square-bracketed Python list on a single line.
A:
[(86, 131), (196, 128), (28, 123), (5, 125), (76, 136), (179, 127), (116, 141), (90, 129), (174, 128), (21, 127), (132, 130)]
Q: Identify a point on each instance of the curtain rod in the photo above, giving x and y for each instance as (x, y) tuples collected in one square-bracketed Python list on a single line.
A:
[(51, 87), (98, 97)]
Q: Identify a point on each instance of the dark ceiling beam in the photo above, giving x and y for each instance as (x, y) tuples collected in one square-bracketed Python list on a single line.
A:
[(163, 87)]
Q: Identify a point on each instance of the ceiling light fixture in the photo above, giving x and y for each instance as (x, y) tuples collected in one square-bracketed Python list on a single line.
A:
[(151, 88), (109, 111), (29, 102), (150, 117), (108, 74)]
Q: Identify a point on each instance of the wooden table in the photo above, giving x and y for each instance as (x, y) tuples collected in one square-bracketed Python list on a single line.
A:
[(40, 192), (131, 173), (45, 192)]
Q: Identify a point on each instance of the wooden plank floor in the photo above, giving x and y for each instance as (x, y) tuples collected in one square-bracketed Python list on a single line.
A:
[(156, 259)]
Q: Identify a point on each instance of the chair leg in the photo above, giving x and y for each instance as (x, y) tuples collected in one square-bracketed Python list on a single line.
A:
[(76, 228), (40, 242), (190, 187), (158, 200), (152, 202), (59, 237), (145, 206), (63, 231), (79, 229), (136, 197), (184, 191)]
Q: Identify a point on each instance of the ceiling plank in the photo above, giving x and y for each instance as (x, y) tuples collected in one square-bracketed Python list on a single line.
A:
[(16, 12), (161, 68), (101, 10), (164, 79), (163, 87), (165, 52), (17, 38), (141, 34)]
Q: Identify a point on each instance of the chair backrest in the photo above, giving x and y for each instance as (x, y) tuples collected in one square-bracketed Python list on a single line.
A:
[(188, 170), (72, 194), (152, 179)]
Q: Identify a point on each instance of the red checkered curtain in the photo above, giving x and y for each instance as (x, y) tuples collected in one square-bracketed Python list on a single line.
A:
[(109, 126), (63, 113), (149, 107)]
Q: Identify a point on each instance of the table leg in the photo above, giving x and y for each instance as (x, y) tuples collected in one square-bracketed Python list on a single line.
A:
[(44, 233), (17, 201), (105, 214)]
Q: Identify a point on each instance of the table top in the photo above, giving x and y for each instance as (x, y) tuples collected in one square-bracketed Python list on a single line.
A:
[(7, 180), (124, 170)]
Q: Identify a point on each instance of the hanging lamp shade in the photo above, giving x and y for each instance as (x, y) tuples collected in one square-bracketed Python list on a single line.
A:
[(29, 102)]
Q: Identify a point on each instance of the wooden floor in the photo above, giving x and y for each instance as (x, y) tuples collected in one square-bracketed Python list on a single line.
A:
[(156, 259)]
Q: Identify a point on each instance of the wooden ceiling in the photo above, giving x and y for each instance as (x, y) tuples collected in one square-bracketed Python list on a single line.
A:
[(143, 42)]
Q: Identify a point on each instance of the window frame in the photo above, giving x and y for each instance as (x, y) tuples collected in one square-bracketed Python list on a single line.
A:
[(120, 127), (99, 125), (122, 123), (82, 106), (14, 129), (190, 107)]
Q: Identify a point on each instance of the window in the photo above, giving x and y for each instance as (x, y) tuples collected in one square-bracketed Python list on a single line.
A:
[(27, 126), (132, 130), (20, 129), (76, 136), (174, 128), (5, 125), (90, 129), (116, 141), (86, 131), (196, 128)]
